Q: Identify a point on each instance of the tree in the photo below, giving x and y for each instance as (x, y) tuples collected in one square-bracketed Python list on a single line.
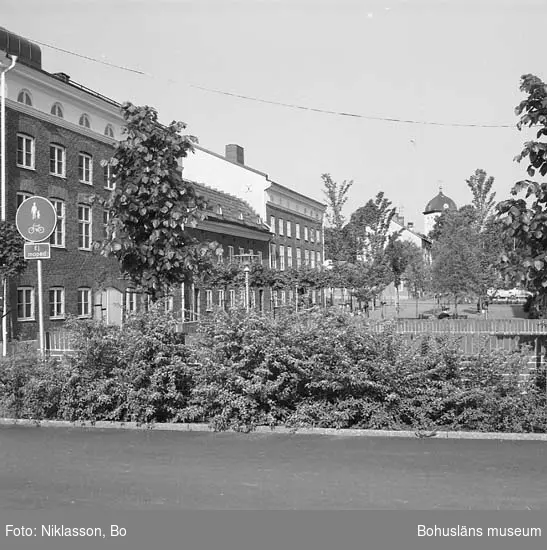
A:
[(399, 254), (483, 199), (337, 196), (455, 263), (12, 262), (525, 219), (152, 205), (417, 275)]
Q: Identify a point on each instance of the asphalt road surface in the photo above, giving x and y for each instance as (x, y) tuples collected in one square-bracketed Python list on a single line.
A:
[(56, 468)]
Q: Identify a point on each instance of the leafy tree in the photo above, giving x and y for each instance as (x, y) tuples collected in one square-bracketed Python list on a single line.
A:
[(455, 262), (152, 205), (368, 228), (525, 218), (398, 254), (12, 262), (483, 199), (335, 238), (417, 275)]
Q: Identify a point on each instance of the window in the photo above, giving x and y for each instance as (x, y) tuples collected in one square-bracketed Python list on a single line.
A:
[(85, 168), (84, 121), (306, 257), (24, 97), (84, 227), (168, 304), (281, 232), (106, 220), (58, 236), (273, 257), (241, 252), (289, 256), (25, 151), (283, 298), (282, 258), (109, 131), (318, 258), (209, 300), (253, 298), (272, 224), (25, 303), (312, 235), (297, 231), (260, 257), (298, 257), (56, 303), (108, 178), (318, 235), (221, 298), (84, 302), (57, 110), (305, 232), (312, 259), (232, 294), (22, 196), (313, 297), (275, 298), (230, 253), (57, 156), (289, 229), (291, 296), (130, 301)]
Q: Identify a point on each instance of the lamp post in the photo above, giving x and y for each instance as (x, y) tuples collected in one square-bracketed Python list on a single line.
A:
[(247, 269), (3, 192)]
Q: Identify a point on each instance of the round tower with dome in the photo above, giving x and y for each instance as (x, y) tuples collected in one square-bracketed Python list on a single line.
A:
[(435, 207)]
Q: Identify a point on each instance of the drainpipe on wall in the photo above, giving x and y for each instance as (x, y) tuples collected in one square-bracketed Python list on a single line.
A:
[(3, 193)]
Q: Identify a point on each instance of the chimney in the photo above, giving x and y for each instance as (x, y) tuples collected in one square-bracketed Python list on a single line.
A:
[(234, 153), (410, 226)]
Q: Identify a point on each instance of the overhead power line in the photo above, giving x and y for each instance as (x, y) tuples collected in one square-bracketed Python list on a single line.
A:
[(286, 105)]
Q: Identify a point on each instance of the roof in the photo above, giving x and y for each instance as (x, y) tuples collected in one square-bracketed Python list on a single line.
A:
[(229, 208), (440, 203)]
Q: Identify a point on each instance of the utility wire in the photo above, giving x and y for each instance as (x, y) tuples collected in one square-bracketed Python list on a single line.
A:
[(281, 104)]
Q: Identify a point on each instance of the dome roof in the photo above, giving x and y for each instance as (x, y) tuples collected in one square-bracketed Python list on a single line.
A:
[(440, 203)]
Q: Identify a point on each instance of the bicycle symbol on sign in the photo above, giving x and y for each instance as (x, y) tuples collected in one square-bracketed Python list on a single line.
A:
[(36, 227)]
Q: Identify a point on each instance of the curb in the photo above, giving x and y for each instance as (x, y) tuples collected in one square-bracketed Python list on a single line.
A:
[(196, 427)]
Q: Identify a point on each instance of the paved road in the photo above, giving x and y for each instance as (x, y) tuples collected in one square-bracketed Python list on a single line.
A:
[(55, 468)]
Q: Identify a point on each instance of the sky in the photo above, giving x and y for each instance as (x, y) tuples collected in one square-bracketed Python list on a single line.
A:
[(442, 61)]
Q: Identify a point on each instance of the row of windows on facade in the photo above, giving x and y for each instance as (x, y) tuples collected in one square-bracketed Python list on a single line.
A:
[(25, 97), (285, 229), (26, 303), (310, 258), (26, 158), (278, 297)]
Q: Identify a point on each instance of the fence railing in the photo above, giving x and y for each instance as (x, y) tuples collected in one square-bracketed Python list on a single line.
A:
[(463, 326)]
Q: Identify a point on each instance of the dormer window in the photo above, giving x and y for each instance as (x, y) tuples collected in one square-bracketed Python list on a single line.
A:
[(25, 98), (241, 216), (84, 121), (109, 131), (57, 110), (219, 210)]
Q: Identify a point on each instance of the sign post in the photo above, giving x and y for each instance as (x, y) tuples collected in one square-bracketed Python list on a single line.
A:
[(36, 219)]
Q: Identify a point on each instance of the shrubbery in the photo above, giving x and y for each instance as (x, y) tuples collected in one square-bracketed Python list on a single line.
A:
[(319, 368)]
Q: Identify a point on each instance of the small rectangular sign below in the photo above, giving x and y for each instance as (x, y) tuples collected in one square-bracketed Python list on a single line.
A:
[(37, 251)]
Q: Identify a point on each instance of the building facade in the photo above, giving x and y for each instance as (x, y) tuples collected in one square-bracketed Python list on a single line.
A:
[(57, 132)]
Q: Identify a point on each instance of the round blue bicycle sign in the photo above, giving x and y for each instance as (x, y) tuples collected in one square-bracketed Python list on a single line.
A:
[(36, 219)]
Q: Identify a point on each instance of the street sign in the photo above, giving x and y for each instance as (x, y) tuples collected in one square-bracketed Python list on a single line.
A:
[(36, 219), (37, 251)]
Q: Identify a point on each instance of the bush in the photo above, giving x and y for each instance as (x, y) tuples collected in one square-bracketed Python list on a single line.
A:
[(318, 368)]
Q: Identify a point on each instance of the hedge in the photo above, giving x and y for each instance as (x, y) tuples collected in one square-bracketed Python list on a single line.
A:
[(321, 368)]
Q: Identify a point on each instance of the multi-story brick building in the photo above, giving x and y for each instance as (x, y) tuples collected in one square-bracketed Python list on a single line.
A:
[(57, 132), (296, 220)]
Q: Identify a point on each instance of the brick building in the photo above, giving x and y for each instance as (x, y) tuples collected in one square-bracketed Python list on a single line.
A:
[(57, 133), (296, 220)]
